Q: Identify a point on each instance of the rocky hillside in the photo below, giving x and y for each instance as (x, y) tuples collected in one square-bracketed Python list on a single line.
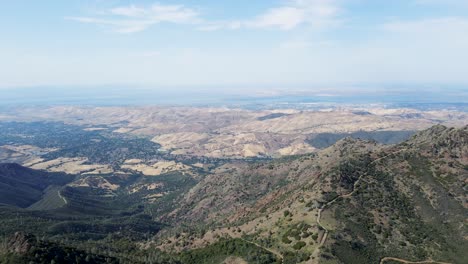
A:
[(354, 202)]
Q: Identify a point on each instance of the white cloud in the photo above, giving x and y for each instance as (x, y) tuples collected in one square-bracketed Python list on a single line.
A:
[(129, 11), (120, 26), (130, 19), (318, 14)]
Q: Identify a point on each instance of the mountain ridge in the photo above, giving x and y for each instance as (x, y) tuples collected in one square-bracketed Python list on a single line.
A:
[(406, 176)]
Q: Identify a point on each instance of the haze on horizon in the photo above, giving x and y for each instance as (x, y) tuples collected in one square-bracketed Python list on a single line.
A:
[(262, 43)]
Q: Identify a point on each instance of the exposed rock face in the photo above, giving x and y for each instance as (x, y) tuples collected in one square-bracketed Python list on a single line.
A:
[(20, 243)]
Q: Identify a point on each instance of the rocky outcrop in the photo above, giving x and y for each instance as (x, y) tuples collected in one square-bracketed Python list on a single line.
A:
[(20, 243)]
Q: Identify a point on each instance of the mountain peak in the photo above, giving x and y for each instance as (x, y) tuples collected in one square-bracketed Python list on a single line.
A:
[(351, 144), (441, 142), (439, 133)]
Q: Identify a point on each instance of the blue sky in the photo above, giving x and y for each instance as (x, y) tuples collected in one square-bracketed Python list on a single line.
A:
[(242, 44)]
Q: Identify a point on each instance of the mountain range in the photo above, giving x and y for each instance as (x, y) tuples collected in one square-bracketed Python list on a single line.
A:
[(356, 201)]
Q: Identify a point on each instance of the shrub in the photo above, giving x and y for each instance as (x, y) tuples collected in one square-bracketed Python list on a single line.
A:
[(285, 239), (299, 245)]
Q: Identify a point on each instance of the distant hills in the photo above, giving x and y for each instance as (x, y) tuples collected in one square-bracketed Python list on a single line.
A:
[(242, 133)]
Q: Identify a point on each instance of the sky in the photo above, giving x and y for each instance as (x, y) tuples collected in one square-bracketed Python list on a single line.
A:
[(241, 44)]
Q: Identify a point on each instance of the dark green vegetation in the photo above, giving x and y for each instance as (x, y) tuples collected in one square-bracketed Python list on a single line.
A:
[(325, 140), (402, 209), (271, 116), (73, 141), (91, 225), (25, 248), (218, 252)]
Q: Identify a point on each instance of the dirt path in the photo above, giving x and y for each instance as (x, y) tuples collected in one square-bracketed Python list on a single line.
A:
[(325, 235), (63, 198), (382, 261), (274, 252)]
